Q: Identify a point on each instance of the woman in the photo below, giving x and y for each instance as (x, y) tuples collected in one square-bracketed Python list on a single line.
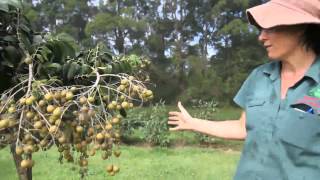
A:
[(280, 121)]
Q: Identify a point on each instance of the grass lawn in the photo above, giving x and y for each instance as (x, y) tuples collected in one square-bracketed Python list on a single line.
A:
[(136, 163), (186, 159)]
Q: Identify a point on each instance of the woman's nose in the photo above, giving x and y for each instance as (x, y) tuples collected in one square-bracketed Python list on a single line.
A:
[(262, 36)]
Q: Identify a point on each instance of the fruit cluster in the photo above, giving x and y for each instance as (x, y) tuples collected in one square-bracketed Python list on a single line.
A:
[(81, 119)]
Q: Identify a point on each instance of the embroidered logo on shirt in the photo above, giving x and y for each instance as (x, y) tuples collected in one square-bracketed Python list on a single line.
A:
[(310, 103), (315, 92)]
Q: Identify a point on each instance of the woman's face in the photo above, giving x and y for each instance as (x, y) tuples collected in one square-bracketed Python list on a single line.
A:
[(281, 41)]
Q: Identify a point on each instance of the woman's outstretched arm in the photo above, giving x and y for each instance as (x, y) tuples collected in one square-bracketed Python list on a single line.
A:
[(229, 129)]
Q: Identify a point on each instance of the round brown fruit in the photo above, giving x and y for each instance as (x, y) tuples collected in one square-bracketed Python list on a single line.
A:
[(121, 88), (57, 112), (83, 162), (107, 135), (111, 106), (58, 122), (117, 153), (91, 113), (116, 169), (12, 109), (115, 120), (73, 89), (50, 108), (62, 139), (37, 125), (108, 126), (22, 101), (28, 60), (29, 115), (130, 105), (109, 168), (29, 101), (69, 95), (57, 95), (125, 105), (42, 103), (79, 129), (124, 81), (105, 98), (83, 100), (48, 96), (19, 150), (91, 99), (53, 129), (43, 143), (25, 163), (63, 93), (28, 149), (4, 123), (100, 136), (92, 152), (131, 78), (90, 131)]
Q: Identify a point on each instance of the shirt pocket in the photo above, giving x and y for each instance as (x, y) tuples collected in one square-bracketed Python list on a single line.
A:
[(300, 129), (255, 102), (255, 108)]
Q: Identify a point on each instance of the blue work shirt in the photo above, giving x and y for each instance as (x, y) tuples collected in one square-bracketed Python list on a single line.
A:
[(283, 142)]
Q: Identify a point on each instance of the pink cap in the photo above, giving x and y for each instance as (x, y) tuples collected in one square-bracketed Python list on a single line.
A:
[(285, 12)]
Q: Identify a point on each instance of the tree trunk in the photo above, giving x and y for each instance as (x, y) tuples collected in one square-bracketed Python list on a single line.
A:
[(24, 174)]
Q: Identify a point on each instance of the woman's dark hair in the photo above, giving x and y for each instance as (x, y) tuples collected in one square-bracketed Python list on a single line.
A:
[(311, 38)]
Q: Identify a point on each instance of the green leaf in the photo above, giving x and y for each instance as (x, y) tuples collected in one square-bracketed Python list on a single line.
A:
[(14, 3), (65, 70), (85, 69), (37, 39), (25, 41), (25, 28), (39, 58), (45, 52), (73, 70), (57, 55), (11, 54), (55, 67), (4, 7), (9, 38), (7, 63)]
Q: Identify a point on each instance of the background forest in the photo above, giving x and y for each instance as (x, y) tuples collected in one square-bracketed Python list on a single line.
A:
[(199, 49)]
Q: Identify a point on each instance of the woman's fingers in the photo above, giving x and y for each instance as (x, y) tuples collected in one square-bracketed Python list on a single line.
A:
[(173, 122), (178, 118), (174, 113), (174, 129), (174, 118), (182, 109)]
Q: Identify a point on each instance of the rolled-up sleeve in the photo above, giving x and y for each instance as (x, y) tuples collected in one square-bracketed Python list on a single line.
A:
[(241, 96)]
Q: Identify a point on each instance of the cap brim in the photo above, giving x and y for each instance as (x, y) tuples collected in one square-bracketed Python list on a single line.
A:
[(273, 14)]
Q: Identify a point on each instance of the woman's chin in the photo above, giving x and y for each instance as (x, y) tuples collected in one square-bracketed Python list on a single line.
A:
[(272, 57)]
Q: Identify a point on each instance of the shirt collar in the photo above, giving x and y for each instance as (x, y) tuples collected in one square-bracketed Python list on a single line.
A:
[(273, 70), (314, 70)]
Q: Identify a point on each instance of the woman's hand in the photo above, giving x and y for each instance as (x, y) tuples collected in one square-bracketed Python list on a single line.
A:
[(181, 120)]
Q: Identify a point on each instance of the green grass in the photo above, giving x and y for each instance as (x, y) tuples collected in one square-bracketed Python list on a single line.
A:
[(187, 159), (136, 163), (227, 113), (185, 138)]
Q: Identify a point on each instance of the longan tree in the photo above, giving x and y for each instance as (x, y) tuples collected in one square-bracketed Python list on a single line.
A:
[(55, 96)]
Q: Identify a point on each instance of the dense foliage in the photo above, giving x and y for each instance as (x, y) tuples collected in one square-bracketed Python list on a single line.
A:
[(199, 49)]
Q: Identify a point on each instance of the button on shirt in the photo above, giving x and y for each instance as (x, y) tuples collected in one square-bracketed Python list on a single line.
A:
[(282, 142)]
